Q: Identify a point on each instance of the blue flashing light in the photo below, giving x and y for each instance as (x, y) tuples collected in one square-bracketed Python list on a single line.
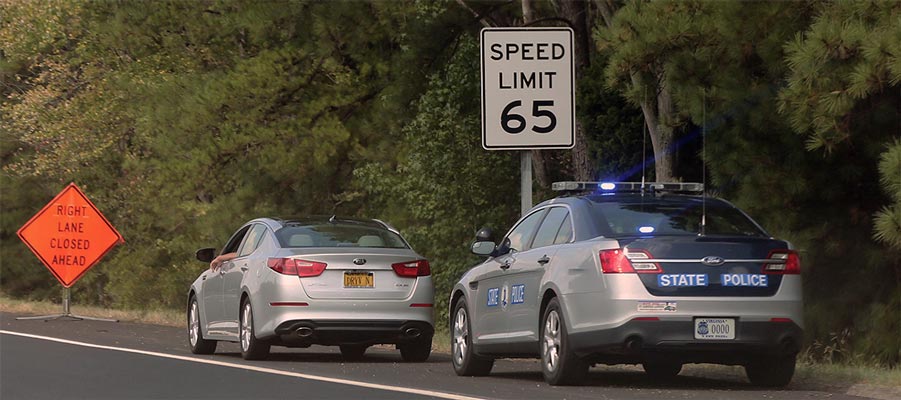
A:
[(608, 186), (646, 229)]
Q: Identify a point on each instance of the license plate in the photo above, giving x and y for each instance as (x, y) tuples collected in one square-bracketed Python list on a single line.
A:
[(715, 328), (358, 280)]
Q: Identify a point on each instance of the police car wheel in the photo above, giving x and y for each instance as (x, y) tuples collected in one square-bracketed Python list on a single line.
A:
[(466, 363), (251, 347), (771, 371), (559, 364), (198, 344), (662, 370)]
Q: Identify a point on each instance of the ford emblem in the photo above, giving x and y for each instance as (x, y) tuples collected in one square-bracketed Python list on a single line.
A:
[(713, 261), (359, 261)]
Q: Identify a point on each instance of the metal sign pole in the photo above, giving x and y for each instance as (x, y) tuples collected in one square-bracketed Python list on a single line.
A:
[(525, 181), (67, 300)]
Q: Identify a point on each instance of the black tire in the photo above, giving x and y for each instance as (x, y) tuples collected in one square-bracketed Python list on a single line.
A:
[(352, 352), (417, 350), (772, 371), (198, 344), (662, 370), (559, 364), (251, 347), (466, 362)]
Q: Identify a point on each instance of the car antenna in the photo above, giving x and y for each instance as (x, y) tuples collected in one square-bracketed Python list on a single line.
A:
[(704, 167), (645, 131)]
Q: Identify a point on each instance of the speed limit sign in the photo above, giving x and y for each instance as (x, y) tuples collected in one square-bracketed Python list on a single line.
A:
[(528, 88)]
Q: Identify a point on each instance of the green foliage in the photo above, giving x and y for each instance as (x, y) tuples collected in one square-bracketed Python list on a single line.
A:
[(888, 220)]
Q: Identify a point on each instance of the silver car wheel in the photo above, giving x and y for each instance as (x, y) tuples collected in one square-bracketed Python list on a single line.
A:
[(461, 333), (246, 327), (194, 324), (550, 346)]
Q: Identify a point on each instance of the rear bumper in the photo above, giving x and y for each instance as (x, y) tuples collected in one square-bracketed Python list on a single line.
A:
[(673, 341), (367, 332)]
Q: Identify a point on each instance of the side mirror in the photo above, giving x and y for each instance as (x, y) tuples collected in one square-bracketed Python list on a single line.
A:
[(206, 255), (485, 235), (483, 248)]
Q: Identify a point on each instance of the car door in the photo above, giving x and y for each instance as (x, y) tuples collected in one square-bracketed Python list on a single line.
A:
[(494, 286), (233, 276), (213, 288), (526, 272)]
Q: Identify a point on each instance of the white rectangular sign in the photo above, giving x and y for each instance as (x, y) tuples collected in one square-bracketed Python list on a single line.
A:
[(528, 88)]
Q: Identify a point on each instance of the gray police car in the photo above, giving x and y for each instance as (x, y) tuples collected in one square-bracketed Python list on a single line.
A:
[(629, 273)]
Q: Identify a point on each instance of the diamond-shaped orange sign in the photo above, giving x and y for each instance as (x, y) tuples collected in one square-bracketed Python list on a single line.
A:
[(69, 235)]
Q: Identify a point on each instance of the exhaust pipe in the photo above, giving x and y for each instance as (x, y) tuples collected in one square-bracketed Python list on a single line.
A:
[(633, 344), (304, 331), (412, 332)]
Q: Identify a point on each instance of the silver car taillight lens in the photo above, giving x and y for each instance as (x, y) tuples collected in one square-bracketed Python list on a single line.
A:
[(293, 266), (412, 269)]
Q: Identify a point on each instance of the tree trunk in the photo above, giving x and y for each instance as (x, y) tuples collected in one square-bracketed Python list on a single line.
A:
[(576, 11), (658, 111)]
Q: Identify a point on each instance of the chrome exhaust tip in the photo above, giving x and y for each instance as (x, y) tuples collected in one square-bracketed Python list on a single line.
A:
[(412, 332), (304, 331)]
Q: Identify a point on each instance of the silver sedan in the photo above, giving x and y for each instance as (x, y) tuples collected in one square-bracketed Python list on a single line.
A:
[(298, 282)]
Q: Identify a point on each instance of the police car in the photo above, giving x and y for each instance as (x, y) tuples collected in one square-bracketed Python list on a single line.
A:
[(629, 273)]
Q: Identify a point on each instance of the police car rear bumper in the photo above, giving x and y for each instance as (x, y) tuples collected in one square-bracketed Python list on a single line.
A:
[(673, 341)]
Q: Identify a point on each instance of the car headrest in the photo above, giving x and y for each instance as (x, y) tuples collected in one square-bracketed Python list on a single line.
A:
[(370, 241)]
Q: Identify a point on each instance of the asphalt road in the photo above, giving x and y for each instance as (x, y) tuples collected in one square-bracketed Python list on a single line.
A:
[(105, 360)]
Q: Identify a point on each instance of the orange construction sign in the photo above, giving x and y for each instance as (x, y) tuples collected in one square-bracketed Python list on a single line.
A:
[(69, 235)]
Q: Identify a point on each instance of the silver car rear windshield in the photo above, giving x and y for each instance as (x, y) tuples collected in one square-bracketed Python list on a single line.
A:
[(672, 217), (338, 235)]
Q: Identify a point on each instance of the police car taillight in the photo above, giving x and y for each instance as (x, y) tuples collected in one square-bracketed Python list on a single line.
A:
[(620, 261), (785, 262)]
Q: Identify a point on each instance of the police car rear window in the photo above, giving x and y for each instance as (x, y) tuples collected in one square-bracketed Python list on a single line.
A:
[(671, 217)]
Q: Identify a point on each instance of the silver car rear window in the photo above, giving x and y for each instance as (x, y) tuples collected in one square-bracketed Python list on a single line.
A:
[(338, 235), (671, 217)]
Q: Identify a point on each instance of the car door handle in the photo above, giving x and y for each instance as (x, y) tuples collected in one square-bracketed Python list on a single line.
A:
[(544, 260), (244, 268)]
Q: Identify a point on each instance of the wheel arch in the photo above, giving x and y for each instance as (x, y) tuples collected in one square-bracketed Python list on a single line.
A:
[(546, 296), (455, 296)]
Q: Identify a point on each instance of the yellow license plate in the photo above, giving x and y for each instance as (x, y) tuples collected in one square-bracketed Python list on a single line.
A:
[(358, 280)]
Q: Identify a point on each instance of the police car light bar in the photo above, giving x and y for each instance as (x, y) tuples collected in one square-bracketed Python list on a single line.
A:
[(575, 186)]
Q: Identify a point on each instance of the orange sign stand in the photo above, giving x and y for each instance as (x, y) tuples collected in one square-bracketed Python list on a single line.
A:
[(69, 235)]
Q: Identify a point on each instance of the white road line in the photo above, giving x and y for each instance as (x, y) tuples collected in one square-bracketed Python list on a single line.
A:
[(423, 392)]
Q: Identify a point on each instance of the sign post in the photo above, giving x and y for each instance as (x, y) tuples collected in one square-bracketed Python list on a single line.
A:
[(528, 93), (69, 235)]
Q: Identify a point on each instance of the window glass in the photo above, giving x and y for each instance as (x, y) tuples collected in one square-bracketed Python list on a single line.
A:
[(253, 240), (338, 235), (672, 217), (235, 241), (522, 234), (547, 233), (565, 234)]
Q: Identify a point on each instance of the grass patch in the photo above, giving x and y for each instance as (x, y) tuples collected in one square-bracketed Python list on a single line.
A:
[(157, 317)]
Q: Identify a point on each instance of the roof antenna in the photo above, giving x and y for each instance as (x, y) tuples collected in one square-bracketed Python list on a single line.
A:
[(704, 168), (645, 131)]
